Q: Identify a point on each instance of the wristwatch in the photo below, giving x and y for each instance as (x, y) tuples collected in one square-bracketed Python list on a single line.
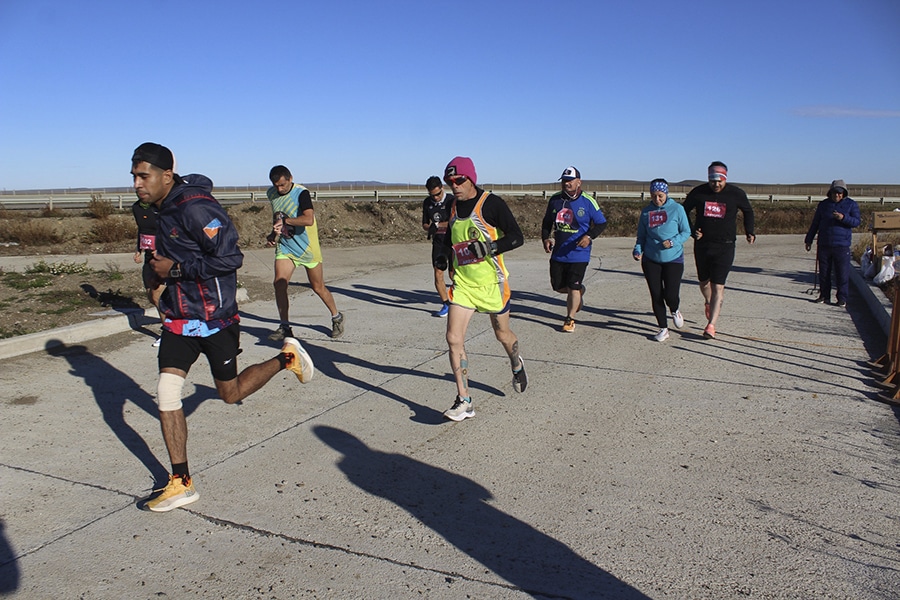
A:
[(175, 271)]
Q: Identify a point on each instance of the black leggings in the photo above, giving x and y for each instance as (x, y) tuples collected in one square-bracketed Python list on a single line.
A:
[(664, 281)]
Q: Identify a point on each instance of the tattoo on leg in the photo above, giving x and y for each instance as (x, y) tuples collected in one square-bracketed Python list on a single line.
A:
[(514, 355), (464, 372)]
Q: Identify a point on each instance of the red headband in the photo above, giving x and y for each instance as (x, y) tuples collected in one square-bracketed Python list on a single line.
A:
[(717, 173)]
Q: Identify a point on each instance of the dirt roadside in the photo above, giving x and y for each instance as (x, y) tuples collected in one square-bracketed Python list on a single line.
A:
[(53, 294)]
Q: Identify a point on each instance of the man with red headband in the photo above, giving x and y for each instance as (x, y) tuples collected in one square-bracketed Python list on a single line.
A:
[(481, 229), (714, 228)]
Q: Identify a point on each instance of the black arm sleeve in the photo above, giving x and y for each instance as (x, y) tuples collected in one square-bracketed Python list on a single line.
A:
[(496, 212), (547, 223), (747, 211), (596, 229)]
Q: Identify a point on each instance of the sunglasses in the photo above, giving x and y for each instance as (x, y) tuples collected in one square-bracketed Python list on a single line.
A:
[(457, 180)]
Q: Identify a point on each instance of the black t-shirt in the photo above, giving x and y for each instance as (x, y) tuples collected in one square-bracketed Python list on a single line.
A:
[(437, 214), (716, 213), (145, 217)]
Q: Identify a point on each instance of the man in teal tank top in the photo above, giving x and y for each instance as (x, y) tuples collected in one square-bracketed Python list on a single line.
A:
[(295, 236)]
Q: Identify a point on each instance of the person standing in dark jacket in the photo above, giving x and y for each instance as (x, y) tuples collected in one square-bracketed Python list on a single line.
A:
[(198, 257), (835, 218), (714, 228)]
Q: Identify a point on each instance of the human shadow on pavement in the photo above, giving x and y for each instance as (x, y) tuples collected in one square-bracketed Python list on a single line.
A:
[(420, 300), (328, 363), (261, 334), (124, 305), (457, 509), (739, 351), (9, 567), (113, 390), (525, 307)]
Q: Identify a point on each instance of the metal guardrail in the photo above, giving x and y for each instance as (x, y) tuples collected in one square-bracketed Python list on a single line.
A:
[(125, 200)]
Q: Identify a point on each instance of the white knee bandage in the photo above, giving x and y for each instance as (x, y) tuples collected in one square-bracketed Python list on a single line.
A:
[(168, 391)]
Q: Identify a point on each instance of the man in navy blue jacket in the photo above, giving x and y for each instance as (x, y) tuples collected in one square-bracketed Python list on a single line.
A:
[(197, 257), (835, 218)]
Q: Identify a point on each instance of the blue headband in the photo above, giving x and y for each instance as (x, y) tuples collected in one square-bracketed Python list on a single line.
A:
[(659, 186)]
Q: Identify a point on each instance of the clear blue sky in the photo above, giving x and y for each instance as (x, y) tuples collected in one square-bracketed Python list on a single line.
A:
[(783, 91)]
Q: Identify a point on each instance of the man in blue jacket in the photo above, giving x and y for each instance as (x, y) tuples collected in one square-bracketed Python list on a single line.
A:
[(197, 256), (835, 218), (572, 220)]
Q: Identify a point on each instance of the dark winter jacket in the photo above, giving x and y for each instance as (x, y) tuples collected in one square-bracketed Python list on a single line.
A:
[(196, 232), (834, 232)]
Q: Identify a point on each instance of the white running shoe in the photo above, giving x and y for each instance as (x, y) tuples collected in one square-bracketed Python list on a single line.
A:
[(678, 319), (663, 335), (301, 363), (461, 409)]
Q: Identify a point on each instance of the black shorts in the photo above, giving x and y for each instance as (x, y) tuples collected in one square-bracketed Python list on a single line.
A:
[(565, 275), (221, 350), (439, 251), (713, 261)]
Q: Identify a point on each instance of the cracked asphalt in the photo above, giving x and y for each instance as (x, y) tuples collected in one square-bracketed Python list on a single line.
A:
[(760, 464)]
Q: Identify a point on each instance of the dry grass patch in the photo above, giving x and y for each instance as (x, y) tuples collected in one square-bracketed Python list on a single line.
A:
[(112, 230), (30, 232)]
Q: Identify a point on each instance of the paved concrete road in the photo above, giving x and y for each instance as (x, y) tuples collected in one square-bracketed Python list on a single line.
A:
[(757, 465)]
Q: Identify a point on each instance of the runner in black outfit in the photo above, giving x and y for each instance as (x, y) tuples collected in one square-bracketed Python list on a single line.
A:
[(145, 217), (435, 216), (714, 228)]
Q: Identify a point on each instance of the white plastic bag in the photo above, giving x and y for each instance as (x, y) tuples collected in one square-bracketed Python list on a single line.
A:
[(887, 271), (865, 263)]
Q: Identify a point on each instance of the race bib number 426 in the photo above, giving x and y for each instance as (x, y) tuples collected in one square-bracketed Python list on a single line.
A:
[(714, 210)]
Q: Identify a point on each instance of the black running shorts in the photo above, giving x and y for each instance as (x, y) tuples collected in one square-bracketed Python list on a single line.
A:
[(565, 275), (221, 350), (713, 260)]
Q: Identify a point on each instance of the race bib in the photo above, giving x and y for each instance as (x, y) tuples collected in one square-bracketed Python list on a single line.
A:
[(463, 255), (657, 218), (714, 210), (565, 216), (147, 242)]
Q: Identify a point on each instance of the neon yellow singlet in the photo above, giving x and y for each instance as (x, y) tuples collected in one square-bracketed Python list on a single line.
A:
[(470, 271)]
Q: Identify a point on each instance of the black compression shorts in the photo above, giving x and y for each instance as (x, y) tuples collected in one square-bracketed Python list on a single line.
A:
[(713, 261), (221, 350)]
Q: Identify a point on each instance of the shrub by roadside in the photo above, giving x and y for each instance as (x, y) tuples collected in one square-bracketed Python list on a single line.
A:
[(48, 297)]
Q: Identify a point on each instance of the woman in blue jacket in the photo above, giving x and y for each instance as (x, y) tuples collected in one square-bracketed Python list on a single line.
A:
[(662, 231), (835, 218)]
